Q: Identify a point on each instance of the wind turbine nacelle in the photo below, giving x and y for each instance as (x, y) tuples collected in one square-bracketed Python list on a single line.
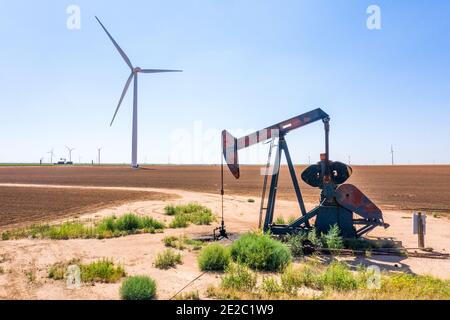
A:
[(137, 69)]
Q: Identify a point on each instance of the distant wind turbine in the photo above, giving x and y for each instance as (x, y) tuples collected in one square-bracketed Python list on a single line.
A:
[(99, 150), (51, 155), (70, 152), (134, 76), (392, 154)]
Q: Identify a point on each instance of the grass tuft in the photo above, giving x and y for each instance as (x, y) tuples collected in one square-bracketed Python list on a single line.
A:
[(338, 277), (214, 257), (332, 239), (271, 286), (189, 213), (138, 288), (168, 259), (280, 220), (180, 221), (104, 271), (238, 277), (108, 227), (193, 295), (261, 252)]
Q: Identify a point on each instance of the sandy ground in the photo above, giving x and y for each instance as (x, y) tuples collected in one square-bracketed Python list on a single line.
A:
[(24, 263)]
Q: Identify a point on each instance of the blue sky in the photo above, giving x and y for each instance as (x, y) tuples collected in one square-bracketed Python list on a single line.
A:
[(247, 64)]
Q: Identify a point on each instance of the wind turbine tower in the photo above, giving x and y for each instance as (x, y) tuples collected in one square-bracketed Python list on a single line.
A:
[(99, 150), (392, 154), (133, 76), (70, 152), (51, 155)]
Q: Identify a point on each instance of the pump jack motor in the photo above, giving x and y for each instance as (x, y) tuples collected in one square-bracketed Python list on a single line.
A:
[(340, 204)]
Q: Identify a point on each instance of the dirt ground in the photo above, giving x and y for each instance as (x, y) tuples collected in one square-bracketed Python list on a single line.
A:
[(391, 187), (22, 205), (24, 263)]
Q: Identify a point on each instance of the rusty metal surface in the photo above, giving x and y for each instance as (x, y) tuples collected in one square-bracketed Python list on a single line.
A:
[(350, 197), (230, 144)]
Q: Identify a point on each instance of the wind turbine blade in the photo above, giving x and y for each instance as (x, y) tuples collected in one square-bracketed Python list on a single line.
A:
[(127, 84), (122, 53), (158, 70)]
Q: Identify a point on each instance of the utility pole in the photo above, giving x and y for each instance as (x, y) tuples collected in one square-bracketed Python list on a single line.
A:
[(392, 154)]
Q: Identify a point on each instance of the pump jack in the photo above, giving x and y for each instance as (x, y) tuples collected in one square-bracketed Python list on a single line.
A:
[(338, 201)]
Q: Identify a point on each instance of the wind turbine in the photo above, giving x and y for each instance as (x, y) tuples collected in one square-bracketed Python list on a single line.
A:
[(99, 150), (51, 155), (392, 154), (70, 153), (134, 75)]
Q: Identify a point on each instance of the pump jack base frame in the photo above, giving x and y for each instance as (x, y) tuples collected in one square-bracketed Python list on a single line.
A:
[(327, 213)]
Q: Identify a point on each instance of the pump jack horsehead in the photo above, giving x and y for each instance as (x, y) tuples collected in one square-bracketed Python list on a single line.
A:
[(340, 204)]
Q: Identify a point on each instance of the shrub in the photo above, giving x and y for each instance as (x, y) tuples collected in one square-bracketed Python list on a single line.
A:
[(260, 252), (238, 277), (167, 259), (107, 224), (182, 242), (270, 286), (295, 244), (180, 221), (305, 276), (417, 286), (67, 230), (57, 272), (201, 217), (5, 236), (170, 210), (314, 238), (101, 271), (291, 280), (193, 295), (214, 257), (151, 223), (174, 242), (138, 288), (191, 212), (196, 244), (251, 200), (338, 277), (332, 238), (128, 222), (106, 228)]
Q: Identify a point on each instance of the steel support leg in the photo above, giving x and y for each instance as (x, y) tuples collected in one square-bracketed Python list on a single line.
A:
[(298, 193)]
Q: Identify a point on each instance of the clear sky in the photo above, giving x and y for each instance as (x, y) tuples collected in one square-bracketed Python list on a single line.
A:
[(247, 64)]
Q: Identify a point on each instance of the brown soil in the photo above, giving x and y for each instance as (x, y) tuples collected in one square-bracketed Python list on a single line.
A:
[(391, 187), (21, 205)]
